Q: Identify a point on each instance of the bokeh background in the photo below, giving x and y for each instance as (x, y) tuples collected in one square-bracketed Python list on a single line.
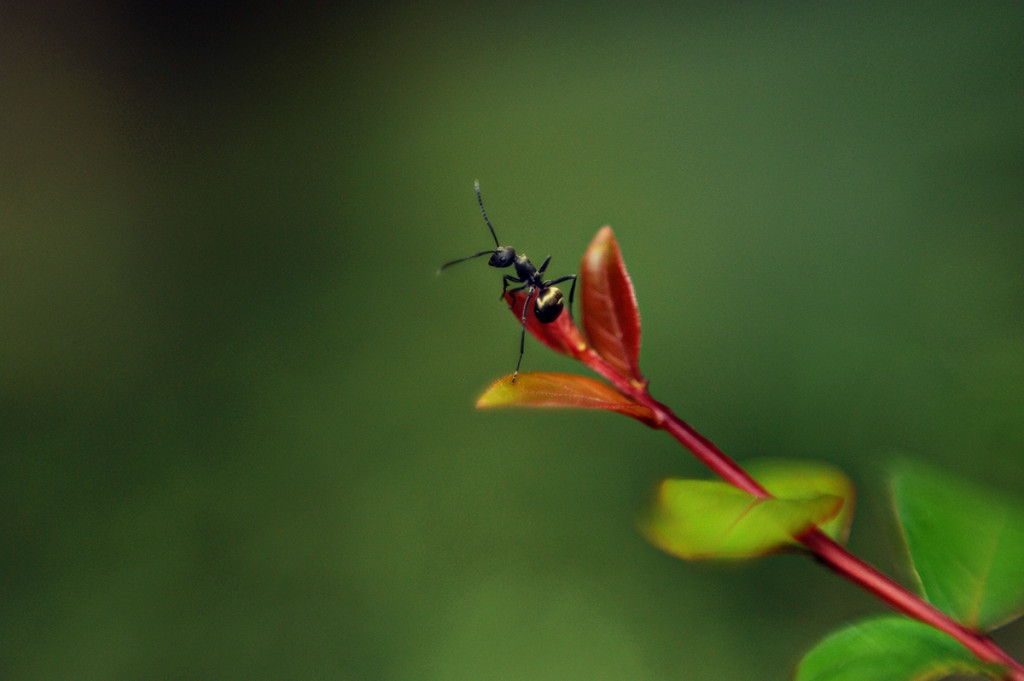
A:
[(238, 434)]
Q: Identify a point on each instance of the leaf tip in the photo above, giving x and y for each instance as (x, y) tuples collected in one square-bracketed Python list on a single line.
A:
[(500, 393)]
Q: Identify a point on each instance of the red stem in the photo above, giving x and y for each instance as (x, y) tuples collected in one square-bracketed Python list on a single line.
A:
[(823, 547)]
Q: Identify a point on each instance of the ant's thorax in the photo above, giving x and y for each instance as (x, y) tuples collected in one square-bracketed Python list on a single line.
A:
[(525, 269)]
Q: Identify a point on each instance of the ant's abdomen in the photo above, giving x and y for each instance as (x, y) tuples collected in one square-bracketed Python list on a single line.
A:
[(548, 305)]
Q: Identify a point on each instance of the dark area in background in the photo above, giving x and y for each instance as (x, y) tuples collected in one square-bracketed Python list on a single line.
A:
[(238, 438)]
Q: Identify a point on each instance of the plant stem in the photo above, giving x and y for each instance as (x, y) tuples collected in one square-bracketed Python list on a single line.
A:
[(823, 547), (845, 564)]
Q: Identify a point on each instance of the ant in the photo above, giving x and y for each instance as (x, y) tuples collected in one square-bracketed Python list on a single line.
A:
[(548, 303)]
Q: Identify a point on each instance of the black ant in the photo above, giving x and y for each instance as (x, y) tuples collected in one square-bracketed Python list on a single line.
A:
[(548, 303)]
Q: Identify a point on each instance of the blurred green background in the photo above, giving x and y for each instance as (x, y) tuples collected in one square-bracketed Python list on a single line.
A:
[(238, 433)]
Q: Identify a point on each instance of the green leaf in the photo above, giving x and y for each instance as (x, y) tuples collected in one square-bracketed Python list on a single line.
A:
[(544, 389), (889, 648), (806, 480), (966, 545), (699, 519)]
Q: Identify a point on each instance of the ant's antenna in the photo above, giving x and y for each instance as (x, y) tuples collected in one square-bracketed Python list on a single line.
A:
[(505, 263), (480, 200)]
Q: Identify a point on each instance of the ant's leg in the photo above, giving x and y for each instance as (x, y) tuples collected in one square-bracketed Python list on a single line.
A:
[(512, 290), (572, 290), (544, 266), (522, 336), (508, 278), (527, 307), (522, 346)]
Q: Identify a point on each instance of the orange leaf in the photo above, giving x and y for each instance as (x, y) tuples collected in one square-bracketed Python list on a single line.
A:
[(543, 389), (610, 316)]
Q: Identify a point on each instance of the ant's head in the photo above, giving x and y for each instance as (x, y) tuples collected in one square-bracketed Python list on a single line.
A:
[(504, 256)]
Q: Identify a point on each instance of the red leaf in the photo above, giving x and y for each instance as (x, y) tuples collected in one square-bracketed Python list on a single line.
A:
[(561, 335), (542, 389), (610, 315)]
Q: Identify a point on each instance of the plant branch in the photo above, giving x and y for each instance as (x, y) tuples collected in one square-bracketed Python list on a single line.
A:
[(611, 349), (821, 546)]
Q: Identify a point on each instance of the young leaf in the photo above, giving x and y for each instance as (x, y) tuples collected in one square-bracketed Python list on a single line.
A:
[(610, 315), (699, 519), (542, 389), (966, 545), (807, 480), (561, 335), (889, 648)]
